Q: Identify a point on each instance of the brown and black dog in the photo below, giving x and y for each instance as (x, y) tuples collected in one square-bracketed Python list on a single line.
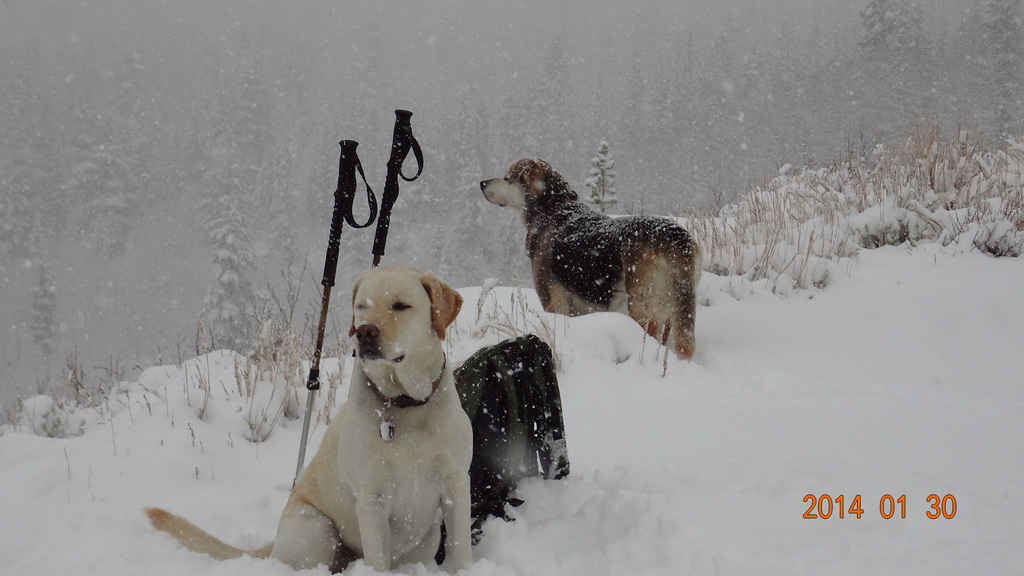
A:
[(584, 261)]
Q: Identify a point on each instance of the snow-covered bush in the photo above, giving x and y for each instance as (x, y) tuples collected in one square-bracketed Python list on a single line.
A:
[(793, 232), (992, 217), (54, 417), (262, 390), (271, 382), (799, 227), (937, 190)]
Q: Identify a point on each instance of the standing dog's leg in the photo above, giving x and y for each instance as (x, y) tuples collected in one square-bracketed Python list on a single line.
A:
[(685, 290), (683, 337), (542, 283)]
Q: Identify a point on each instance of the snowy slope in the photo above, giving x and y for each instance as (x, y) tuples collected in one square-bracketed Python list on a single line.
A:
[(902, 378)]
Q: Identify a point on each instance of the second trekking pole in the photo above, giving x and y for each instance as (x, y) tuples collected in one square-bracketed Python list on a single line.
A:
[(401, 142)]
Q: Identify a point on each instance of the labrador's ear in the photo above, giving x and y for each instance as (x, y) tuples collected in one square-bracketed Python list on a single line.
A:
[(445, 303), (352, 324)]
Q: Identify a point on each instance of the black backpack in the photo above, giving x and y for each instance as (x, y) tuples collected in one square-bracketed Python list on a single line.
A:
[(511, 396)]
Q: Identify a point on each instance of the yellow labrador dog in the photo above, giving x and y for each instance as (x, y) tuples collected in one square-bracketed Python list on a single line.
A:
[(395, 461)]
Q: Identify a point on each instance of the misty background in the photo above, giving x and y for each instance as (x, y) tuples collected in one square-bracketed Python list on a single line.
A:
[(165, 162)]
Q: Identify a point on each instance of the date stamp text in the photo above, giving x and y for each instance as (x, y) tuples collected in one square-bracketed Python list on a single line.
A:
[(825, 506)]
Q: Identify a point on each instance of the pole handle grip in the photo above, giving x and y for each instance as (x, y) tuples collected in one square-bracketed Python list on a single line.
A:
[(344, 199), (402, 141)]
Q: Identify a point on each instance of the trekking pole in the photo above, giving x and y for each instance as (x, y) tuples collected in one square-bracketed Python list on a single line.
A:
[(401, 142), (344, 197)]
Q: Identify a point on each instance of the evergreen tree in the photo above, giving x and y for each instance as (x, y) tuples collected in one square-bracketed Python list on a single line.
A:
[(24, 174), (636, 119), (44, 322), (15, 212), (540, 120), (479, 240), (283, 202), (968, 72), (891, 29), (893, 81), (101, 175), (235, 173), (601, 182), (553, 108), (250, 124), (134, 129), (230, 305), (716, 116), (466, 217), (1003, 34), (105, 188)]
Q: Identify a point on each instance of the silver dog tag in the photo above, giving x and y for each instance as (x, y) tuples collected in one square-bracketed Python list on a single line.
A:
[(387, 429)]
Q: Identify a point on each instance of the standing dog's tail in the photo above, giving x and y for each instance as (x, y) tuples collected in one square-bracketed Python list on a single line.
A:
[(198, 540)]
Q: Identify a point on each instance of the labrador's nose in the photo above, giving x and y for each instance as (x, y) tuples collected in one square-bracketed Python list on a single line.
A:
[(368, 337), (367, 333)]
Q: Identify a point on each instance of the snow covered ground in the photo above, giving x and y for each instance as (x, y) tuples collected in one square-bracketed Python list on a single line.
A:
[(902, 378)]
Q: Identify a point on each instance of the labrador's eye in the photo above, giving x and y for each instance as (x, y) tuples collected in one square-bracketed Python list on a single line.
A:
[(399, 306)]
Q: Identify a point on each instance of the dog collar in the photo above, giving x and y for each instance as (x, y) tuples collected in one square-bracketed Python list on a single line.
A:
[(404, 400)]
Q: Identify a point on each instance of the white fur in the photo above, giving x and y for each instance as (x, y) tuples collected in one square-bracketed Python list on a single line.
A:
[(382, 499), (502, 193)]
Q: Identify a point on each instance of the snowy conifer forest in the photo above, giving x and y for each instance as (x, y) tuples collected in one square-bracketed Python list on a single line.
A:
[(167, 169)]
